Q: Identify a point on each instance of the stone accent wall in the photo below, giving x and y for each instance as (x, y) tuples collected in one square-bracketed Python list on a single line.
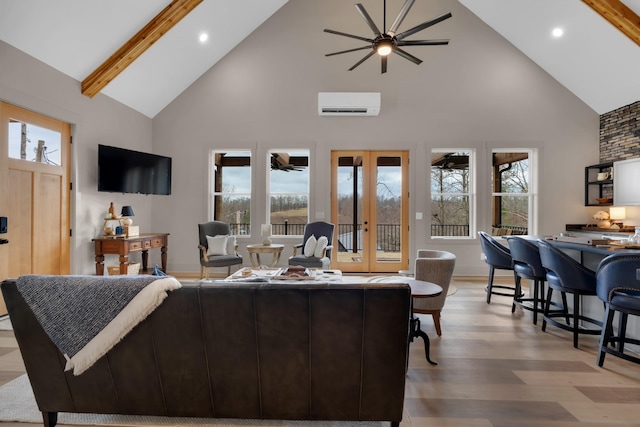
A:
[(620, 133)]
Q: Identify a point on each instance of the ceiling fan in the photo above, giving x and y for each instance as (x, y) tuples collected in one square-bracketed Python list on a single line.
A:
[(451, 161), (280, 162), (390, 41)]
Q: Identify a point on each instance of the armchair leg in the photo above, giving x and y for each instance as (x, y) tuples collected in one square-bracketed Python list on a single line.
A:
[(436, 321), (201, 272)]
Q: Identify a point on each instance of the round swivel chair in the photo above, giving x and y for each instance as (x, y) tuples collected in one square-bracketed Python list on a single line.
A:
[(568, 276), (498, 257), (618, 286), (527, 265)]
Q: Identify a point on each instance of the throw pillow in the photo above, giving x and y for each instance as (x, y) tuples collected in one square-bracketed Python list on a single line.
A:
[(321, 246), (216, 245), (310, 246), (231, 245)]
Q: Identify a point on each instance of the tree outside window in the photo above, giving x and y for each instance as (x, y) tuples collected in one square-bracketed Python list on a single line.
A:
[(451, 193)]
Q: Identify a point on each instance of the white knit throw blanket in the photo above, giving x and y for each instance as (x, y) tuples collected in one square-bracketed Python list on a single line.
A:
[(85, 316)]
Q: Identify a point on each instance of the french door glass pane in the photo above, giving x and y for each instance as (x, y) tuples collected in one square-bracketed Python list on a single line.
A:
[(388, 208), (34, 143), (350, 209)]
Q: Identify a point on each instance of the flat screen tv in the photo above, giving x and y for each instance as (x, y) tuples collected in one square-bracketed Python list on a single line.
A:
[(127, 171)]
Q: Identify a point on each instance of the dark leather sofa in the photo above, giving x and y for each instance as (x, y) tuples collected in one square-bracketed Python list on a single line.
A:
[(238, 350)]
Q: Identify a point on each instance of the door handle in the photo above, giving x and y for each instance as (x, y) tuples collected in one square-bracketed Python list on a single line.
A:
[(4, 241)]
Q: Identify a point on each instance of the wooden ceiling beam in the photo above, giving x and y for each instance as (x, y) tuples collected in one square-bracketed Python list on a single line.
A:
[(137, 45), (619, 15)]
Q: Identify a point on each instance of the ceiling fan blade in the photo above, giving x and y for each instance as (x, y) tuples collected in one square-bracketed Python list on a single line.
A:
[(401, 15), (408, 56), (423, 26), (348, 35), (367, 18), (423, 42), (384, 64), (348, 50), (362, 60)]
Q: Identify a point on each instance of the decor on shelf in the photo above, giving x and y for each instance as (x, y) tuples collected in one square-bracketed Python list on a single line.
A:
[(111, 222), (265, 232), (603, 219), (617, 214), (390, 41)]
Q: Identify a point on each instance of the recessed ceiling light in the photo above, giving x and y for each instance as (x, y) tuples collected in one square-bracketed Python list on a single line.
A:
[(203, 37), (557, 32)]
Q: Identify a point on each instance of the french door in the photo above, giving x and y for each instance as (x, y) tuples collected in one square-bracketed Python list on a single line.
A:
[(369, 192), (34, 194)]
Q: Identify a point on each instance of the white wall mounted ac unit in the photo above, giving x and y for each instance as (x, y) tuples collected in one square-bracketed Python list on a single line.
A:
[(348, 103)]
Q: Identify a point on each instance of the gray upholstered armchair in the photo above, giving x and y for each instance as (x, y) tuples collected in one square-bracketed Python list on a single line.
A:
[(225, 257), (436, 267), (320, 259)]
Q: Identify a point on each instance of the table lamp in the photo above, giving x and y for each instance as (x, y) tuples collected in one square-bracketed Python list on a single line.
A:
[(617, 214), (129, 229)]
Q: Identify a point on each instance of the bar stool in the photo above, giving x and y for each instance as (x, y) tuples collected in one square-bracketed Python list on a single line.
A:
[(568, 276), (498, 257), (618, 287), (527, 265)]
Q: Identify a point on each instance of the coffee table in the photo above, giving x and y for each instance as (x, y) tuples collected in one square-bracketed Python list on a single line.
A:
[(274, 249)]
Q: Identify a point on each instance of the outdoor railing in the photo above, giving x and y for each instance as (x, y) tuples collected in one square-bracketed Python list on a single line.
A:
[(389, 235)]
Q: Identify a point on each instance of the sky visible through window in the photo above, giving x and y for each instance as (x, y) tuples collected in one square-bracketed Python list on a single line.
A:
[(51, 138)]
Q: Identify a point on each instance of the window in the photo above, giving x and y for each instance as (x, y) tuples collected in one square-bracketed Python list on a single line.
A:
[(451, 193), (231, 189), (288, 190), (511, 192), (34, 143)]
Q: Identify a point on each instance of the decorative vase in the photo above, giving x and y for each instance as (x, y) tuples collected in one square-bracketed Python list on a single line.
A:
[(604, 223), (265, 231)]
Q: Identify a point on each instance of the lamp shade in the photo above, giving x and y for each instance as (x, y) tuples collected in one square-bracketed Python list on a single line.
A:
[(617, 213), (127, 211)]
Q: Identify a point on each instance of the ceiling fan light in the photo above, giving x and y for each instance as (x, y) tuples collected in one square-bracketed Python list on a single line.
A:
[(384, 49)]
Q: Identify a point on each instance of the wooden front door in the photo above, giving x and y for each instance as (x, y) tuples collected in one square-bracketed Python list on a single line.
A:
[(34, 194), (370, 199)]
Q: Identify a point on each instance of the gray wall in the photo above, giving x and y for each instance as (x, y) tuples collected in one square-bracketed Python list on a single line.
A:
[(479, 92), (30, 84)]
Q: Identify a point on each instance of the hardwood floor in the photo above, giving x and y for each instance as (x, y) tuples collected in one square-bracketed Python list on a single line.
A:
[(496, 369)]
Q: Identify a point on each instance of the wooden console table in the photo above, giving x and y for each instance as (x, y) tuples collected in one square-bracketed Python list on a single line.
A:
[(124, 245)]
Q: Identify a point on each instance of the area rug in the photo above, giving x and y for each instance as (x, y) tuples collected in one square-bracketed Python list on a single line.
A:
[(17, 404)]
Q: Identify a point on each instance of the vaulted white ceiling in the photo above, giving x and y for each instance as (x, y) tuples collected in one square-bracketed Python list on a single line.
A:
[(593, 59)]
